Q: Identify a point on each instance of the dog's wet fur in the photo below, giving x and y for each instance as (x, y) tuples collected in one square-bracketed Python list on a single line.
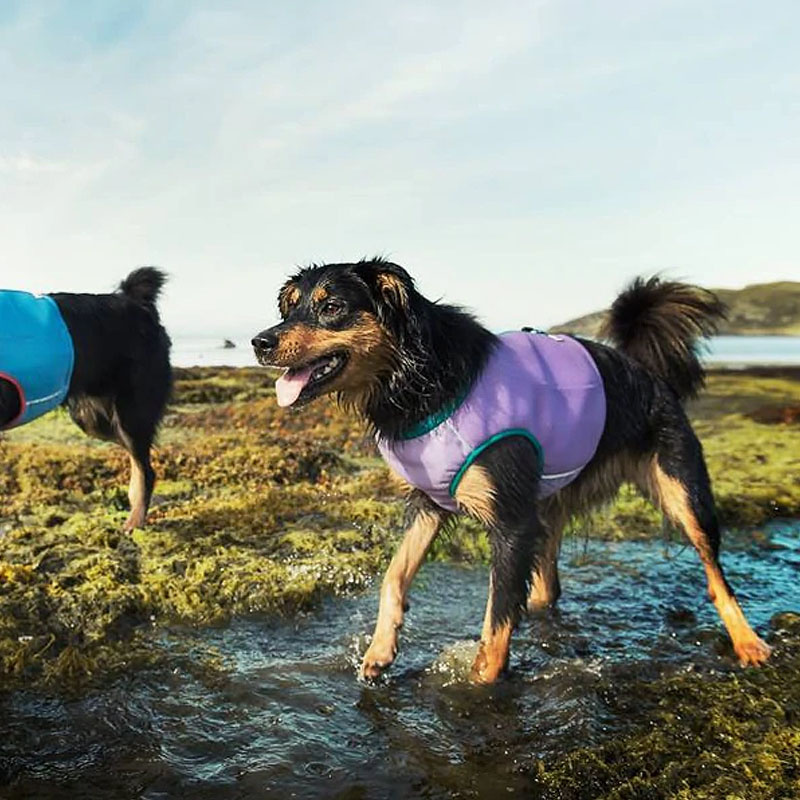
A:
[(121, 379), (395, 358)]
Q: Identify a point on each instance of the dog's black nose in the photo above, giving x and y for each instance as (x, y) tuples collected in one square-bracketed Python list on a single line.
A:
[(265, 340)]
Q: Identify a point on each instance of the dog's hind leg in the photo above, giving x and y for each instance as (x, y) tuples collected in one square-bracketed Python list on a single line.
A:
[(137, 440), (140, 488), (136, 424), (427, 520), (545, 585), (139, 404), (678, 481), (499, 489), (119, 421)]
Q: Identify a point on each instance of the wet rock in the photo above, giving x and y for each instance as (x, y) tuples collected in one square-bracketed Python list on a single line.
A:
[(788, 621), (776, 415), (681, 617)]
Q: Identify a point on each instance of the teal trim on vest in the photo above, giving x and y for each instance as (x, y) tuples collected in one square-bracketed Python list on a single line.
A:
[(435, 420), (488, 443)]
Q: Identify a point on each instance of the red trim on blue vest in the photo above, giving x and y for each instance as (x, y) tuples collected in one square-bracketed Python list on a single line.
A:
[(22, 402)]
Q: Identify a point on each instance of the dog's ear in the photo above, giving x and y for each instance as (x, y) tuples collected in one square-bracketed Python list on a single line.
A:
[(288, 297), (392, 290), (395, 286)]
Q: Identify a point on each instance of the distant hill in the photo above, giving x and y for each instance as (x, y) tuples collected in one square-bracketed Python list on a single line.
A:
[(763, 309)]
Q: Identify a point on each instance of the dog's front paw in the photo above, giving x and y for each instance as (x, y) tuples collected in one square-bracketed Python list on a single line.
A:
[(489, 664), (379, 656), (485, 669), (752, 652), (136, 519)]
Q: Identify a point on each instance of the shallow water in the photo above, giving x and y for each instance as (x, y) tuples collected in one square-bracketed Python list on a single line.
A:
[(281, 713), (190, 351)]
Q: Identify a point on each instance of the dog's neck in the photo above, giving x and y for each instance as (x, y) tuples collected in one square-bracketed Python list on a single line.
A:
[(438, 359)]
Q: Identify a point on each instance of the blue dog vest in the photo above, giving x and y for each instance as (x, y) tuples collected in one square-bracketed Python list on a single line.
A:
[(36, 352)]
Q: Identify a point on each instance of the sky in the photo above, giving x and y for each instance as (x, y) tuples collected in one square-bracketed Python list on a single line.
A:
[(523, 159)]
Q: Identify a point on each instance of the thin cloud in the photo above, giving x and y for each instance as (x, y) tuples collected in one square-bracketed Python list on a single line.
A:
[(547, 148)]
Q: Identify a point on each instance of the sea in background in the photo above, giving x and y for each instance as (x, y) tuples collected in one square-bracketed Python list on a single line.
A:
[(754, 350), (734, 351), (192, 351)]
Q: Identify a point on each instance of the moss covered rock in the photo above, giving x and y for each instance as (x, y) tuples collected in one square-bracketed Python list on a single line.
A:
[(258, 509)]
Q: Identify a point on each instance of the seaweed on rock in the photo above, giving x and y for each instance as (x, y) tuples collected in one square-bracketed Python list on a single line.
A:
[(259, 510)]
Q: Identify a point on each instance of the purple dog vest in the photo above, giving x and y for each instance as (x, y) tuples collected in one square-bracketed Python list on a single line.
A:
[(544, 388)]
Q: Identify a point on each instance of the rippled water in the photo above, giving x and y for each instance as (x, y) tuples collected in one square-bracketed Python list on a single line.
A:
[(283, 715)]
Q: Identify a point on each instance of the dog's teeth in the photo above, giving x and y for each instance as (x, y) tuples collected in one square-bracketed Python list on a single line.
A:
[(325, 369)]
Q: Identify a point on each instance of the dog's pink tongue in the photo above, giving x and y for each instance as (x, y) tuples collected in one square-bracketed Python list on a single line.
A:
[(290, 384)]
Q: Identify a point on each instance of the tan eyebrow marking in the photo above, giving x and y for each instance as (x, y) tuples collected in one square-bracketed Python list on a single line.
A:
[(319, 294)]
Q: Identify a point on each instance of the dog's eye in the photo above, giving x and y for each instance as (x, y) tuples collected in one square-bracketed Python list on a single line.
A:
[(331, 308)]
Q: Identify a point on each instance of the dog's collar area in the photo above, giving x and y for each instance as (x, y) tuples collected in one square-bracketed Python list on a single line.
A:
[(437, 418)]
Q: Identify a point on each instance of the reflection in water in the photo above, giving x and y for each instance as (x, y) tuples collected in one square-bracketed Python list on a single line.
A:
[(283, 714)]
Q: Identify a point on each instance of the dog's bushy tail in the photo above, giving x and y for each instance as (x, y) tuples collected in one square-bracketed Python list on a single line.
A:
[(144, 285), (660, 325)]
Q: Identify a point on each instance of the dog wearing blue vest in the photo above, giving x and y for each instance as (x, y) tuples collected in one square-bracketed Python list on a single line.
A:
[(104, 356)]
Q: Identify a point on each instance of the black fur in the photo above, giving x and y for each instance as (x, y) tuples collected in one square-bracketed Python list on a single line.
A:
[(144, 285), (660, 324), (122, 377), (9, 403), (516, 534), (442, 349), (645, 418)]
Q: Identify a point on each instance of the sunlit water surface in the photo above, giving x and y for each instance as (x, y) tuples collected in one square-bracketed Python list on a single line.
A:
[(283, 715)]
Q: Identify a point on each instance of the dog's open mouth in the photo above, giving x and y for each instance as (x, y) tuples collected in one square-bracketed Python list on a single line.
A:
[(305, 382)]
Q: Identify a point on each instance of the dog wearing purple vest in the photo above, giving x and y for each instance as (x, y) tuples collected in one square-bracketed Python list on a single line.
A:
[(521, 431)]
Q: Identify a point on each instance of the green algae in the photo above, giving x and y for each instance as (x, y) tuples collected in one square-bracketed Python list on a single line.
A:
[(261, 511), (250, 516), (698, 736)]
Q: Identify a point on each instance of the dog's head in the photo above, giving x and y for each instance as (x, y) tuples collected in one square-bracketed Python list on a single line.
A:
[(342, 330)]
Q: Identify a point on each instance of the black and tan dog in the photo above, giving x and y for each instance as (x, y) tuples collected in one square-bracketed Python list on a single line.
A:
[(363, 332), (118, 377)]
